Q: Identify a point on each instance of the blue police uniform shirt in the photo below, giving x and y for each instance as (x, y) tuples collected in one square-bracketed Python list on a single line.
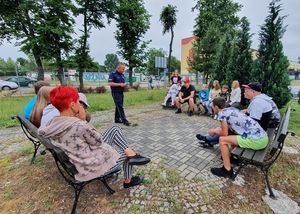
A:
[(116, 77)]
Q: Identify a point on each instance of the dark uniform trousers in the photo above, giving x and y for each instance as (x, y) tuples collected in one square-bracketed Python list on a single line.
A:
[(119, 112)]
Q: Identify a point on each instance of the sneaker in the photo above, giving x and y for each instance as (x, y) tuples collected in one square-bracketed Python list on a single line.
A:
[(190, 113), (215, 117), (126, 123), (138, 160), (163, 104), (178, 111), (135, 180), (222, 172), (206, 145), (233, 160), (201, 137)]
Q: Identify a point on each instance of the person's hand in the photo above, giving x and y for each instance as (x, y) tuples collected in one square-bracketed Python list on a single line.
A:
[(81, 114), (211, 132), (123, 85), (181, 100)]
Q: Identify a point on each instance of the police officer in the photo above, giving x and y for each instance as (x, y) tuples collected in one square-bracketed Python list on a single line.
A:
[(116, 81)]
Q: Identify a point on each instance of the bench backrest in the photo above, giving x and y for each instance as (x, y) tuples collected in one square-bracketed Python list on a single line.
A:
[(29, 129), (58, 154), (282, 130)]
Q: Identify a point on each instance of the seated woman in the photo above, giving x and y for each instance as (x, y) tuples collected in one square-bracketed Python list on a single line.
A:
[(41, 102), (30, 105), (214, 92), (172, 93), (50, 111), (92, 153), (235, 96)]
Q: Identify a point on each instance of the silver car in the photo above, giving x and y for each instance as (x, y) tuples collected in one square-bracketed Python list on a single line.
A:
[(6, 85)]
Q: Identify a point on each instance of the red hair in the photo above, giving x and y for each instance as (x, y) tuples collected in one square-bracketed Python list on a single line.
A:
[(62, 96)]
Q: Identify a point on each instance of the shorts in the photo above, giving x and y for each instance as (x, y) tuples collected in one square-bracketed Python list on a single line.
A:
[(187, 101), (255, 144)]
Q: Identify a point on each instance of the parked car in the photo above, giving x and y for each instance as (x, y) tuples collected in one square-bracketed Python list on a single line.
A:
[(24, 81), (6, 85)]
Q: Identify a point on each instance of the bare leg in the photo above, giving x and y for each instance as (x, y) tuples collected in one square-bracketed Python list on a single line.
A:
[(191, 104), (225, 141), (178, 104)]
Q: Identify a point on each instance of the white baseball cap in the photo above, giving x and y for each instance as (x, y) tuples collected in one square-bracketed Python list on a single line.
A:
[(82, 98)]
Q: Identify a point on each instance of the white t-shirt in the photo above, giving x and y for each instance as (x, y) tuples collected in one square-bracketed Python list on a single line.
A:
[(49, 112), (258, 106)]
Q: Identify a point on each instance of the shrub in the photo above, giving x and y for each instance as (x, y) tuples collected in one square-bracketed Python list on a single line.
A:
[(87, 90), (126, 88), (136, 86), (100, 89)]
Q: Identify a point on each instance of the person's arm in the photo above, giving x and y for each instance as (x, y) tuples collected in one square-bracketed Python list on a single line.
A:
[(111, 82), (90, 135), (206, 95), (221, 131), (180, 95)]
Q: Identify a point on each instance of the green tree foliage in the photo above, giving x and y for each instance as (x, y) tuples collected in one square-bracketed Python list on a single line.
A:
[(91, 65), (93, 12), (168, 20), (216, 17), (132, 23), (222, 14), (111, 62), (7, 67), (240, 66), (20, 20), (204, 53), (273, 65), (150, 64), (221, 66), (55, 32)]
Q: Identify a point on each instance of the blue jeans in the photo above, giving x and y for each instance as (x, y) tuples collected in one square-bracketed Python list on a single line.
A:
[(213, 139), (209, 105)]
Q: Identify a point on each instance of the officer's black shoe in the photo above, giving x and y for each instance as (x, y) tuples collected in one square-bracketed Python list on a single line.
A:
[(190, 113), (126, 123), (178, 111), (118, 121)]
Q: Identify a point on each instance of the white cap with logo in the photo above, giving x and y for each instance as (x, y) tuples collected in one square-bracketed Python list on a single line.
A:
[(83, 99)]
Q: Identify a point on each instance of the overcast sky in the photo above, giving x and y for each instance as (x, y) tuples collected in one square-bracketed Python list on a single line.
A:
[(103, 41)]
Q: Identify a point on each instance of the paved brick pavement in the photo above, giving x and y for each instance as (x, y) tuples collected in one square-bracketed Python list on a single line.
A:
[(172, 136)]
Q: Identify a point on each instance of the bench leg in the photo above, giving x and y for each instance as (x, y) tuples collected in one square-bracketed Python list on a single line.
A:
[(77, 191), (36, 147), (266, 172), (111, 191), (238, 171)]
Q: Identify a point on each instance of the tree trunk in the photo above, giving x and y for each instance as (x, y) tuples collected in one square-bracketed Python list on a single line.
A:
[(38, 61), (83, 57), (81, 86), (60, 73), (130, 75), (170, 52), (36, 51)]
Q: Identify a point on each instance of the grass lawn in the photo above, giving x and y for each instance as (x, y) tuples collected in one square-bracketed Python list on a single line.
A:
[(295, 118), (10, 106), (295, 83), (76, 83)]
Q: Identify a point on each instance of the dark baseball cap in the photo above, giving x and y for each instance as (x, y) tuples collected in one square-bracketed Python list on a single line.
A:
[(256, 86)]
